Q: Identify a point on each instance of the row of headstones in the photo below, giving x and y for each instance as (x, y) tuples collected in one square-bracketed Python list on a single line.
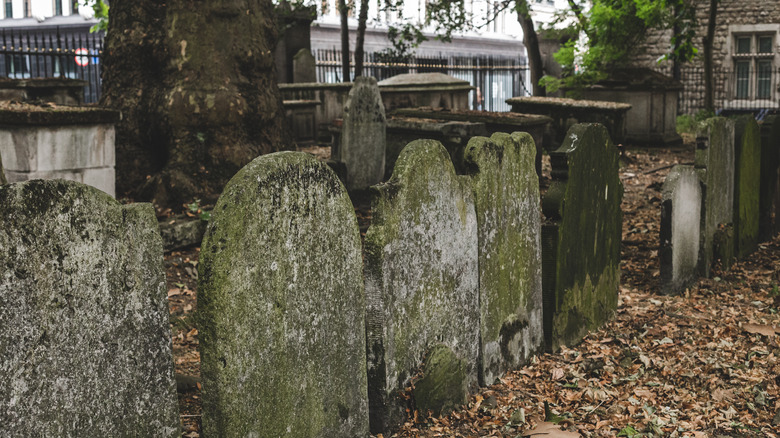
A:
[(720, 208), (299, 335)]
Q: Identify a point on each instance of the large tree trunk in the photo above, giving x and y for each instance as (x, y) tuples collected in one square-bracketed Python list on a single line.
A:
[(709, 91), (344, 14), (196, 86), (361, 37), (531, 42)]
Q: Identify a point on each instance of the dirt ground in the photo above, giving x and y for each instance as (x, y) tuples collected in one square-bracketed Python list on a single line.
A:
[(703, 364)]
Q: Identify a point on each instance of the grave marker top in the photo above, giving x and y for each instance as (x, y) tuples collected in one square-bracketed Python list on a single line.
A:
[(363, 135)]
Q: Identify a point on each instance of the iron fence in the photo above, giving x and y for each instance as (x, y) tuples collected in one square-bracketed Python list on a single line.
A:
[(53, 53), (495, 78), (745, 88)]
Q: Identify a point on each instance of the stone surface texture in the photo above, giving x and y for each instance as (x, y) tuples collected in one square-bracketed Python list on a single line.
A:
[(421, 269), (363, 135), (2, 173), (281, 305), (581, 236), (770, 183), (82, 153), (714, 163), (85, 343), (506, 194), (747, 184), (680, 229), (304, 67)]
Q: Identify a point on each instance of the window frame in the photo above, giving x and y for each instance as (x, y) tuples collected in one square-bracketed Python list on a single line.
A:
[(749, 79)]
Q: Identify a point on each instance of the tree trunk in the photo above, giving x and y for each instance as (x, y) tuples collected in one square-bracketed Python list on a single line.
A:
[(196, 86), (343, 12), (361, 37), (531, 42), (709, 100)]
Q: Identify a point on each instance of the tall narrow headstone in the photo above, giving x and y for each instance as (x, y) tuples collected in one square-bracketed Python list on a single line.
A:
[(747, 181), (770, 168), (363, 135), (421, 271), (2, 173), (281, 305), (714, 163), (85, 345), (581, 236), (680, 229), (506, 194), (304, 67)]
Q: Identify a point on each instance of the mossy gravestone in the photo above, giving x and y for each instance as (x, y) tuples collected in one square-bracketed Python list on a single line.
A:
[(421, 286), (363, 135), (680, 229), (770, 184), (747, 181), (714, 163), (506, 193), (281, 305), (581, 236), (85, 345)]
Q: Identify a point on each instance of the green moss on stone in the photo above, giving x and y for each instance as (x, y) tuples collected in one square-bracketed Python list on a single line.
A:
[(747, 180), (442, 387)]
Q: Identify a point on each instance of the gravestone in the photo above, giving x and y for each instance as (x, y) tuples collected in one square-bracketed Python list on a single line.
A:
[(363, 137), (506, 194), (421, 271), (747, 181), (714, 163), (2, 174), (770, 183), (680, 229), (84, 334), (281, 305), (304, 67), (581, 236)]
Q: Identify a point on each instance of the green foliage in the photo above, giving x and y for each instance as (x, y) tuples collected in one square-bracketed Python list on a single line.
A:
[(629, 432), (101, 14), (685, 124)]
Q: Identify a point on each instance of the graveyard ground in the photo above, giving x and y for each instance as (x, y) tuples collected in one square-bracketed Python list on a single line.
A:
[(704, 364)]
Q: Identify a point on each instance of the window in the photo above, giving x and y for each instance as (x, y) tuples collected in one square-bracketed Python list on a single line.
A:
[(754, 63), (9, 9), (27, 11), (57, 7)]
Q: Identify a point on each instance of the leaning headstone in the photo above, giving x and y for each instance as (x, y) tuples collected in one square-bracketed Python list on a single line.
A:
[(770, 167), (363, 137), (421, 271), (714, 163), (304, 67), (581, 236), (680, 229), (747, 180), (84, 334), (506, 194), (281, 305)]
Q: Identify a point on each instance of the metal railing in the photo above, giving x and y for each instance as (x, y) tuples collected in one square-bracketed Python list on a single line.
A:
[(53, 53), (495, 78)]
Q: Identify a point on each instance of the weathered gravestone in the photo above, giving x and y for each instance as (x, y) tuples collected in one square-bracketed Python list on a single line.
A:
[(680, 229), (363, 135), (304, 67), (421, 286), (581, 236), (2, 174), (747, 180), (281, 305), (770, 183), (714, 163), (85, 345), (506, 194)]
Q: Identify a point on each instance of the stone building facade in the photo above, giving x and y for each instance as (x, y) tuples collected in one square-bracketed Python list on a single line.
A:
[(746, 56)]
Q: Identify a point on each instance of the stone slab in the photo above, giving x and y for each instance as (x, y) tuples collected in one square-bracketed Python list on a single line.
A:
[(304, 67), (747, 184), (363, 135), (581, 236), (680, 232), (102, 178), (506, 193), (39, 148), (281, 305), (2, 173), (421, 270), (770, 170), (714, 163), (84, 331)]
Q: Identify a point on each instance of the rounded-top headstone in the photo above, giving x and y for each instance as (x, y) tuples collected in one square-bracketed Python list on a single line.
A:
[(363, 135), (281, 305), (85, 343)]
